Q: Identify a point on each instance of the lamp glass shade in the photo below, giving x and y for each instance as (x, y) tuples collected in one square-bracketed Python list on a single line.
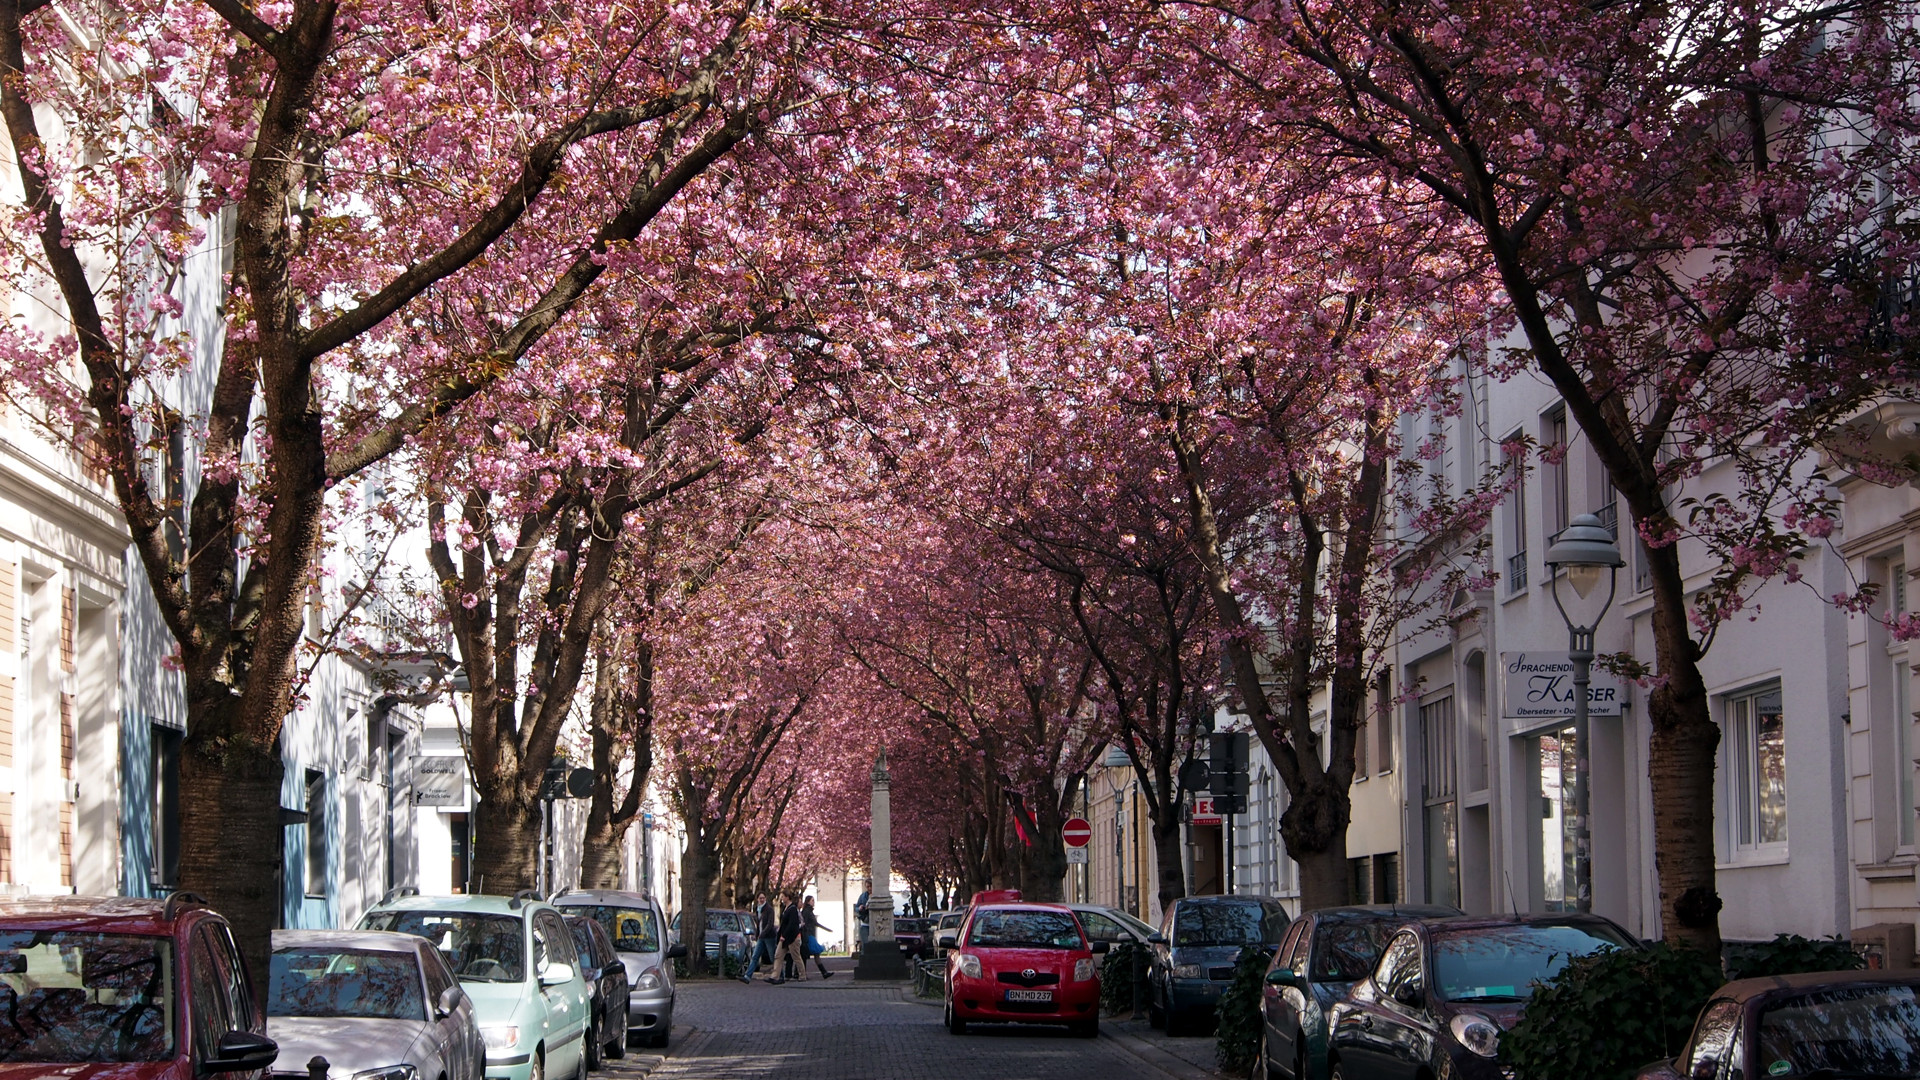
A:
[(1583, 577)]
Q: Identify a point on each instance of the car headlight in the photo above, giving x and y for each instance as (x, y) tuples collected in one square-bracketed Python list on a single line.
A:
[(391, 1072), (500, 1036), (1083, 970), (1476, 1033), (649, 980), (970, 965), (1186, 971)]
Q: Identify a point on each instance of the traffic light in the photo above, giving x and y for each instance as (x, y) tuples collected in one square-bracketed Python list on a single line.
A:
[(1227, 771)]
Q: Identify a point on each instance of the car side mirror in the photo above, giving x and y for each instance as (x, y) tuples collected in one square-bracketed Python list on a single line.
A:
[(1413, 997), (449, 1001), (242, 1051), (676, 951), (1156, 939), (1100, 946), (1284, 976), (557, 974)]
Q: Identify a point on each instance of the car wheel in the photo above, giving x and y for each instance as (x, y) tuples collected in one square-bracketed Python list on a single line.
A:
[(1300, 1056), (1176, 1021), (1156, 1016), (617, 1046), (1259, 1070), (954, 1023), (539, 1070), (1334, 1072), (591, 1054)]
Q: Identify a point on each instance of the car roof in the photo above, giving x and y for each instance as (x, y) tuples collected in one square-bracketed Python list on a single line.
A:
[(1227, 898), (604, 898), (364, 940), (1023, 905), (1387, 911), (94, 914), (477, 903), (1747, 989)]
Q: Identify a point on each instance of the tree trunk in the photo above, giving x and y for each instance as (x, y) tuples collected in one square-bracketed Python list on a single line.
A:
[(697, 867), (232, 842), (506, 841), (601, 858), (1682, 755)]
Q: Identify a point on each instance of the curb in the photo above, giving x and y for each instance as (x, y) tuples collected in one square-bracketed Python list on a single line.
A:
[(1156, 1058)]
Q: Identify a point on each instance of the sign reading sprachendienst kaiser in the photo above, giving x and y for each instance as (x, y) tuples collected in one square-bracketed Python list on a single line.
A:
[(1539, 685)]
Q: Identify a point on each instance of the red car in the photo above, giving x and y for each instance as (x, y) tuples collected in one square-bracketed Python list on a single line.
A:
[(136, 989), (1023, 964)]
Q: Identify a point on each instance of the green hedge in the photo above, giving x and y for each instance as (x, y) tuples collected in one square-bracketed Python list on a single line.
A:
[(1238, 1034), (1116, 977), (1605, 1015)]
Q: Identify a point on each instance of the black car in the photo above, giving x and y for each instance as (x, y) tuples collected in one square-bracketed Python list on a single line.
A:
[(1826, 1023), (1195, 951), (1445, 989), (1326, 951), (606, 978)]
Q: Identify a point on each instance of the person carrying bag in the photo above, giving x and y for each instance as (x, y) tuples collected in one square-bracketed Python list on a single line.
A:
[(810, 931)]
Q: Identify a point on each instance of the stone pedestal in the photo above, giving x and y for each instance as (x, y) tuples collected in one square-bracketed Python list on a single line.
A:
[(880, 958)]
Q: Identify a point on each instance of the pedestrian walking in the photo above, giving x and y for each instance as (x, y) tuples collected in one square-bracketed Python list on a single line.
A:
[(860, 912), (790, 947), (810, 933), (766, 929)]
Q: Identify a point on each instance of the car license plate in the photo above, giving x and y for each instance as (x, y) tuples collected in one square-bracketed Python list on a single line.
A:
[(1030, 995)]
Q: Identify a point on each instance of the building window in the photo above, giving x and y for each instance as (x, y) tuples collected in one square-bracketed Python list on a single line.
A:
[(164, 759), (1383, 692), (1386, 878), (1360, 880), (1553, 470), (457, 827), (1516, 525), (1903, 746), (1440, 780), (1757, 730), (316, 833)]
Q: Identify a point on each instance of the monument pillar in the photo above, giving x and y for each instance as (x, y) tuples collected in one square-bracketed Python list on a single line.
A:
[(880, 958)]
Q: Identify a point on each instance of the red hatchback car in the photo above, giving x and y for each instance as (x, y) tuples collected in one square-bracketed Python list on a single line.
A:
[(127, 989), (1023, 964)]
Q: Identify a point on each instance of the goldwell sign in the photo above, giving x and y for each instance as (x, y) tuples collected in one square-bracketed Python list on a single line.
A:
[(1539, 685)]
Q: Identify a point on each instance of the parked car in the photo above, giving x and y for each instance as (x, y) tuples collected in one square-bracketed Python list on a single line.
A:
[(377, 1006), (946, 930), (634, 921), (729, 932), (515, 958), (1024, 964), (910, 933), (158, 990), (1445, 989), (1324, 953), (1828, 1024), (606, 980), (1195, 950), (1111, 925)]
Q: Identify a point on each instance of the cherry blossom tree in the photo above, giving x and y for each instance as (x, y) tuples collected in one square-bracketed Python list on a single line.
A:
[(1693, 212)]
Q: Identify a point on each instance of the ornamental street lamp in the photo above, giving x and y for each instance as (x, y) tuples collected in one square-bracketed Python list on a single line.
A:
[(1586, 551)]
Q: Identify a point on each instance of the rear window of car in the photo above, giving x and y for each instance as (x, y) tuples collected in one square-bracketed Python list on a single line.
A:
[(1843, 1031), (85, 997), (1346, 950), (632, 929), (1024, 930)]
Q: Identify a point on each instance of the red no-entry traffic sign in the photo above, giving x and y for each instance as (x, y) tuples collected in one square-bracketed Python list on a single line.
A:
[(1076, 832)]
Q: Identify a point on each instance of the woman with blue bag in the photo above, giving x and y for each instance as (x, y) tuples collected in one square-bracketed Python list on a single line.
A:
[(810, 930)]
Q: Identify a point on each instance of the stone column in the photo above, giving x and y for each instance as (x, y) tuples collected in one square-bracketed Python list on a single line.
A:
[(880, 958)]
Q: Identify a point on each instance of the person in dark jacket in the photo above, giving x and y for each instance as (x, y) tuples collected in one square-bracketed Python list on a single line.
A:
[(766, 929), (810, 936), (790, 927)]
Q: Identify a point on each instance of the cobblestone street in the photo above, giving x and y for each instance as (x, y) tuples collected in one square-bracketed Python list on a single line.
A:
[(842, 1030)]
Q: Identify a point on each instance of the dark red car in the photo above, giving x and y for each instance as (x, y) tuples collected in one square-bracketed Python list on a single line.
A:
[(1023, 964), (132, 989), (1833, 1024)]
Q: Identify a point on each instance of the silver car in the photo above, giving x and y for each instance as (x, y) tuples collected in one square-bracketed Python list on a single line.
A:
[(375, 1005), (639, 931)]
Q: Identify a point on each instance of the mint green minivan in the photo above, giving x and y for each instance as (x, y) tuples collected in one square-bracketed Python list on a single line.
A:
[(515, 958)]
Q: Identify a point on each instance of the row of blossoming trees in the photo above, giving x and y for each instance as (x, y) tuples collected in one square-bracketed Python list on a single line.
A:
[(781, 381)]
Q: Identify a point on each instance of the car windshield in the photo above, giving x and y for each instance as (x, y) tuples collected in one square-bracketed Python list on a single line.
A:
[(1849, 1031), (332, 983), (632, 929), (1225, 924), (478, 947), (70, 998), (1024, 930), (724, 921), (1503, 962), (1346, 950)]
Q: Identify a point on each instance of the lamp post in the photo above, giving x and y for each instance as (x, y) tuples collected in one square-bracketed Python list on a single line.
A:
[(1585, 549)]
